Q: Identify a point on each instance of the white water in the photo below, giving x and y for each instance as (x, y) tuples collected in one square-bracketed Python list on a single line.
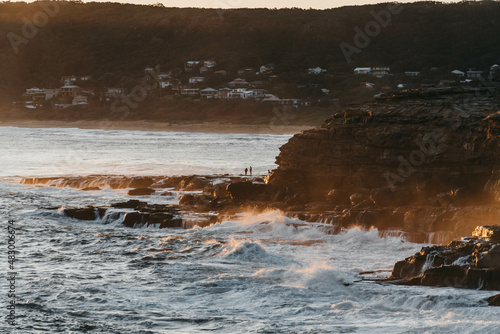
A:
[(259, 273)]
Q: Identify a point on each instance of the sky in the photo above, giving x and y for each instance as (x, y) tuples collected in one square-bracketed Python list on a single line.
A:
[(318, 4)]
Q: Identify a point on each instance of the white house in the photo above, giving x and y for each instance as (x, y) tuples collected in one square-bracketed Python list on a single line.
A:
[(458, 72), (209, 93), (266, 69), (238, 83), (194, 80), (380, 72), (115, 92), (316, 70), (190, 91), (473, 74), (239, 93), (362, 70), (209, 63), (412, 73)]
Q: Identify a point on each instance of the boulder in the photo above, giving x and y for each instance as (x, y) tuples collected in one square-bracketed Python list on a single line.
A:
[(135, 218), (141, 182), (494, 300), (131, 204), (140, 192), (88, 213)]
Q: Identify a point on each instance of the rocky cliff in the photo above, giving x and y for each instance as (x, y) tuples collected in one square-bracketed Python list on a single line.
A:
[(413, 160)]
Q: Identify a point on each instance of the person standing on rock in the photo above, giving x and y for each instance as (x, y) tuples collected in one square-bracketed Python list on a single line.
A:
[(246, 171), (250, 170)]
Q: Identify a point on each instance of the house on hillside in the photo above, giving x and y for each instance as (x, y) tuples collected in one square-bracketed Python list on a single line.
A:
[(362, 70), (412, 73), (238, 83), (494, 71), (190, 91), (267, 69), (458, 73), (69, 90), (208, 93), (239, 93), (40, 94), (209, 63), (115, 92), (195, 80), (190, 65), (380, 72), (474, 74), (316, 70), (223, 93)]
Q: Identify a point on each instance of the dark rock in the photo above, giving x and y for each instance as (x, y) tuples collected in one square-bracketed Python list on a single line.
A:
[(339, 197), (187, 199), (244, 190), (135, 218), (494, 300), (472, 263), (140, 192), (445, 276), (88, 213), (131, 204), (165, 220)]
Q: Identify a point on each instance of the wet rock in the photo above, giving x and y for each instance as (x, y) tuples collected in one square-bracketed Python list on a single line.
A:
[(88, 213), (131, 204), (135, 218), (91, 189), (140, 192), (247, 191), (141, 182), (491, 233), (494, 300), (445, 276), (490, 258), (165, 220), (339, 197), (472, 263)]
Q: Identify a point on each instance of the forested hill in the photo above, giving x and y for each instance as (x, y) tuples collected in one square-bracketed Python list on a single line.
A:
[(112, 41)]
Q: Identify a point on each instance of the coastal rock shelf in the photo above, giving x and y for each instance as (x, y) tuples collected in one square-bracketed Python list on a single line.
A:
[(473, 262), (420, 161)]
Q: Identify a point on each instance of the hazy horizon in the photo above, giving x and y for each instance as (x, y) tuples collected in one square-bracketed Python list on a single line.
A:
[(227, 4)]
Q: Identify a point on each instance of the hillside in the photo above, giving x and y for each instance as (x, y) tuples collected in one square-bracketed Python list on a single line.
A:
[(113, 43)]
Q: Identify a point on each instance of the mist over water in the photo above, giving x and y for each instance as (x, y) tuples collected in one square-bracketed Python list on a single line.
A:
[(256, 273)]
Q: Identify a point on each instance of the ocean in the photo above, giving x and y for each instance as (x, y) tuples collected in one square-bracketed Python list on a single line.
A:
[(260, 272)]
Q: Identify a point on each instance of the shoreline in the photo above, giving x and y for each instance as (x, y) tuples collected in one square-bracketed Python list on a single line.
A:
[(207, 127)]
